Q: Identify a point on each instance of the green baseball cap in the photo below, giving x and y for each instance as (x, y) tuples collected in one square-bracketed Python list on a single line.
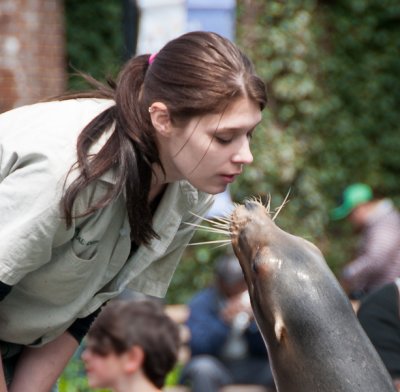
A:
[(353, 196)]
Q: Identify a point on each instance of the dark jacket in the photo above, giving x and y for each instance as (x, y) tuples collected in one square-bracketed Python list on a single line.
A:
[(209, 332)]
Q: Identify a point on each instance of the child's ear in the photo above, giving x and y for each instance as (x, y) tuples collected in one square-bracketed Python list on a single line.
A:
[(160, 118), (135, 359)]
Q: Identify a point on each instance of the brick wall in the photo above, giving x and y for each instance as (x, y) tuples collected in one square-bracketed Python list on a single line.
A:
[(32, 51)]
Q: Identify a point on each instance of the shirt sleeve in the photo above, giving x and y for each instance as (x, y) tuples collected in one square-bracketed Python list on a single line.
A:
[(81, 326), (29, 214)]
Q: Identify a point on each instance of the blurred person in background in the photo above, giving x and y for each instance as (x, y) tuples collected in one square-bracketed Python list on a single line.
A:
[(131, 346), (97, 188), (226, 346), (378, 256), (379, 315)]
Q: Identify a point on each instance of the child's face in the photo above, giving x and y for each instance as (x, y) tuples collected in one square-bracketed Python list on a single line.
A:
[(103, 371)]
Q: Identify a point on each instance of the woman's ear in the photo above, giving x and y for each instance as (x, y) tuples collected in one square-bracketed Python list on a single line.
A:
[(160, 118)]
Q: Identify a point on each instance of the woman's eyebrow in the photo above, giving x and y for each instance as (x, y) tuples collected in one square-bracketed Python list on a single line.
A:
[(235, 129)]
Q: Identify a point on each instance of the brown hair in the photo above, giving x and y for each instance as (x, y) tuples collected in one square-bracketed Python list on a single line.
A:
[(123, 324), (195, 74)]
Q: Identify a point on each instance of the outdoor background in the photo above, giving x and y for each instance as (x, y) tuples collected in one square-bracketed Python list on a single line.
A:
[(332, 72)]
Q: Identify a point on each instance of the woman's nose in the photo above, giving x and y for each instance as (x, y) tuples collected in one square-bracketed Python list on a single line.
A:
[(243, 155)]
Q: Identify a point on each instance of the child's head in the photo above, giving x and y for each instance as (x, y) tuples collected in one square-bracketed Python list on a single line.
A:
[(128, 338)]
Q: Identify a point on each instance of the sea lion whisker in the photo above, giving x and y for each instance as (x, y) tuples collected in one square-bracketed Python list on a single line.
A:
[(203, 218), (214, 231), (253, 198), (268, 206), (216, 224), (226, 219), (221, 223), (211, 242), (222, 226), (220, 246), (278, 210), (222, 229), (208, 228)]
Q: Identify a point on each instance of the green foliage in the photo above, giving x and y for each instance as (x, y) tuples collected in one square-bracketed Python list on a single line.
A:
[(94, 39)]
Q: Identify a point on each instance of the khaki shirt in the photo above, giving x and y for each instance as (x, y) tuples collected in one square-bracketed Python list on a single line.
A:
[(60, 274)]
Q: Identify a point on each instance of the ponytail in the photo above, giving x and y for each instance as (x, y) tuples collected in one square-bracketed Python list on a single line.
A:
[(129, 152)]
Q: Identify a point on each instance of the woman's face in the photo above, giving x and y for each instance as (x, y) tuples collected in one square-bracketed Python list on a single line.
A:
[(211, 150)]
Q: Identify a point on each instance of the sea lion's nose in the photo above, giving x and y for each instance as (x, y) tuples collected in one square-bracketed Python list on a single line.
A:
[(249, 205)]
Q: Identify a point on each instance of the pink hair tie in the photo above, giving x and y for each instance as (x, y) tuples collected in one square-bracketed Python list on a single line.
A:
[(152, 57)]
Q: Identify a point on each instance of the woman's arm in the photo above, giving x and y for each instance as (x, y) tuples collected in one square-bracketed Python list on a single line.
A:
[(38, 368)]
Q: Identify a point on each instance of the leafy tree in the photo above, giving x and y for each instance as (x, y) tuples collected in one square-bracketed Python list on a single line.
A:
[(94, 39)]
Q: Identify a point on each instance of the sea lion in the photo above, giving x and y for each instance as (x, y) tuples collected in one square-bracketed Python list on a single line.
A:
[(314, 341)]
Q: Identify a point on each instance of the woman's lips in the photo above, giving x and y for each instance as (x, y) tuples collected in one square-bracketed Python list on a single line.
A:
[(228, 178)]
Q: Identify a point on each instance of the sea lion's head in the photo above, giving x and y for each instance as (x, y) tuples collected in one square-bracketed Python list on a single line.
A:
[(281, 270)]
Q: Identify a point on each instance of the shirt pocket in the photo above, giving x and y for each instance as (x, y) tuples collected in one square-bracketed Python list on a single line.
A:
[(66, 279)]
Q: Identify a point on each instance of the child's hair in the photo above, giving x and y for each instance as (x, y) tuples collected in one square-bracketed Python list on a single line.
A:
[(123, 324), (194, 74)]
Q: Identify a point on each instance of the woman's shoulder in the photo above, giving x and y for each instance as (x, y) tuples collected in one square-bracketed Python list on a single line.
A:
[(45, 134), (56, 106), (59, 120)]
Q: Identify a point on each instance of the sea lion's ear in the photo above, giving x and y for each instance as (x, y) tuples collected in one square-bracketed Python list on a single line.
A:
[(160, 118)]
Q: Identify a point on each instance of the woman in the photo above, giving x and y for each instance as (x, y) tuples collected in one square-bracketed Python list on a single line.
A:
[(96, 190)]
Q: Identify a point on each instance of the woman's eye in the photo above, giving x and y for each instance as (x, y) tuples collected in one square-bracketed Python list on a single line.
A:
[(223, 140)]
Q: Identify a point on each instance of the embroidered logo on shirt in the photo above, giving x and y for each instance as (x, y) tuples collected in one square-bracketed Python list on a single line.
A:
[(81, 240)]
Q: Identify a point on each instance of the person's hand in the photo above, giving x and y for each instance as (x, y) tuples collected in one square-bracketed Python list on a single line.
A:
[(234, 306)]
